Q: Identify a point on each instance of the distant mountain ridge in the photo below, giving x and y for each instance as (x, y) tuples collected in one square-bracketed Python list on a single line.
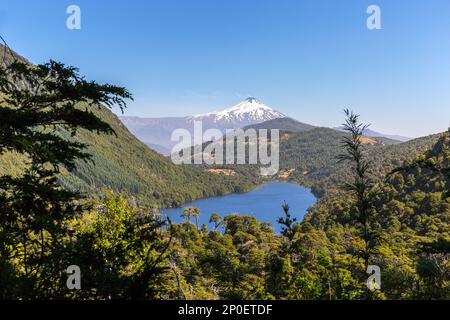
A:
[(375, 134), (157, 131), (249, 113)]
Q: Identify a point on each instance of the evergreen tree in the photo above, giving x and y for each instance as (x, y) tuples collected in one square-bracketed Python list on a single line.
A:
[(34, 102), (287, 223)]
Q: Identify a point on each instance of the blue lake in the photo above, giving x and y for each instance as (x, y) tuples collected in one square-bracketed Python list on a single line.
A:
[(263, 202)]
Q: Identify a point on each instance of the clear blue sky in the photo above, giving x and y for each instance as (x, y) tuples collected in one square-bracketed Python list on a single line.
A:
[(308, 59)]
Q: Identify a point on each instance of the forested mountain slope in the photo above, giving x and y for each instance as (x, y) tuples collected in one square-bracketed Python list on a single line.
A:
[(412, 208), (383, 159), (284, 124), (311, 157), (412, 182), (124, 164)]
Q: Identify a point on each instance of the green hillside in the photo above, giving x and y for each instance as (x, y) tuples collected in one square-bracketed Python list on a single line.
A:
[(285, 124), (311, 157), (383, 159), (127, 165), (124, 164), (413, 211)]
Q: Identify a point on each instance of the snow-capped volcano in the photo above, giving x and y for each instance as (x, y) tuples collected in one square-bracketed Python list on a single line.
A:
[(249, 110), (157, 132)]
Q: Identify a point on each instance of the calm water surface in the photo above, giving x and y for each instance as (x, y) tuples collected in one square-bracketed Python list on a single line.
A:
[(264, 203)]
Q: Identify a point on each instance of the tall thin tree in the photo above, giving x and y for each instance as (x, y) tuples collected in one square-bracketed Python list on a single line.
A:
[(362, 187)]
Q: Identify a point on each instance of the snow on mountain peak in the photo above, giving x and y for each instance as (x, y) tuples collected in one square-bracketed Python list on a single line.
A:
[(248, 110)]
